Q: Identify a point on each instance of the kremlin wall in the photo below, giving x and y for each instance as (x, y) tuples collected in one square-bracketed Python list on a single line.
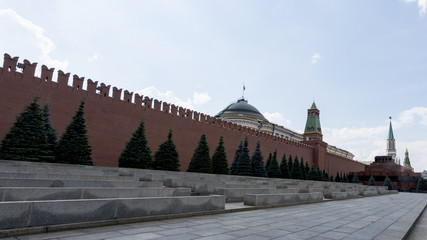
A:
[(112, 115)]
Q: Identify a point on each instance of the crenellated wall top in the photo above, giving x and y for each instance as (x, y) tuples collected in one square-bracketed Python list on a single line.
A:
[(102, 90)]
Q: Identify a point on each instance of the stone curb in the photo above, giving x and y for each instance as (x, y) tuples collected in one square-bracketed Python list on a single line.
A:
[(414, 223)]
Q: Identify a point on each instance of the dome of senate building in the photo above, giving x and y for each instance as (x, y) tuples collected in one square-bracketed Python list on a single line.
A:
[(243, 109), (244, 114)]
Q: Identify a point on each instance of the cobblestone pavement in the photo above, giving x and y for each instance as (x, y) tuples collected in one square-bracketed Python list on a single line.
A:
[(383, 217)]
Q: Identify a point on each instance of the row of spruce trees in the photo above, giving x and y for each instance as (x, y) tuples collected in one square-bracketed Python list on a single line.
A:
[(245, 165), (32, 138)]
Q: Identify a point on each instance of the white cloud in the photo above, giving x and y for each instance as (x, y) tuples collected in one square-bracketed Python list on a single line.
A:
[(415, 115), (201, 98), (93, 58), (277, 118), (422, 6), (367, 142), (45, 44), (169, 97), (315, 58)]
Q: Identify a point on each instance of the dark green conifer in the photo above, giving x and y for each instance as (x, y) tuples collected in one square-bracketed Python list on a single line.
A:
[(307, 170), (346, 178), (304, 175), (219, 159), (166, 158), (268, 163), (322, 175), (233, 169), (388, 183), (371, 181), (201, 162), (421, 186), (327, 176), (73, 147), (318, 174), (312, 173), (27, 139), (355, 178), (337, 178), (274, 170), (284, 170), (290, 162), (331, 179), (296, 172), (136, 154), (50, 131), (244, 167), (257, 162)]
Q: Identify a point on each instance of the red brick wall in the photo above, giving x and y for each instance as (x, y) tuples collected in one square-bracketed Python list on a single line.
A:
[(112, 120), (339, 164)]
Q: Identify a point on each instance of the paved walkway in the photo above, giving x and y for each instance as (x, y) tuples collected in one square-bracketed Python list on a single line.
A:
[(383, 217), (419, 232)]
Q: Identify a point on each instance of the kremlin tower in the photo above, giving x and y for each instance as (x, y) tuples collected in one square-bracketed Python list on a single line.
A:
[(391, 144)]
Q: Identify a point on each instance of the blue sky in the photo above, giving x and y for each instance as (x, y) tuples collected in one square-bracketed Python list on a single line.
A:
[(361, 61)]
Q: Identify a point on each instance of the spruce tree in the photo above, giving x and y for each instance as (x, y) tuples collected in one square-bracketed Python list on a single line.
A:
[(244, 167), (312, 175), (257, 162), (355, 178), (304, 175), (136, 154), (274, 170), (306, 170), (201, 162), (319, 174), (284, 170), (421, 186), (326, 176), (27, 139), (346, 178), (166, 158), (296, 172), (371, 181), (337, 178), (322, 175), (219, 159), (268, 163), (73, 147), (388, 183), (290, 162), (233, 170), (50, 131)]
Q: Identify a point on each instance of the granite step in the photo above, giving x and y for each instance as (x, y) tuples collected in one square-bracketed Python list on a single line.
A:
[(8, 194)]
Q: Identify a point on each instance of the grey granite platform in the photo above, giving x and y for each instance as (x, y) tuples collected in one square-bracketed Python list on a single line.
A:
[(381, 217)]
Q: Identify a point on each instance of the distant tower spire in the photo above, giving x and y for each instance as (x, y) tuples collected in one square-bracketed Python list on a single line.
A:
[(407, 162), (312, 129), (391, 144)]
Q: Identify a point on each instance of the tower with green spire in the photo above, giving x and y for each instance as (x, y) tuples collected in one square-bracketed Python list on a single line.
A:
[(391, 144), (312, 130), (313, 136), (407, 162)]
